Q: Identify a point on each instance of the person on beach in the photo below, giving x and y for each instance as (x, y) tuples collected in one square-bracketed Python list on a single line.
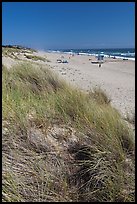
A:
[(99, 64)]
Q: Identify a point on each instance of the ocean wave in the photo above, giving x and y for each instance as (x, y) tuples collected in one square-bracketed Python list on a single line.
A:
[(118, 57), (69, 52), (128, 54), (83, 53), (123, 54)]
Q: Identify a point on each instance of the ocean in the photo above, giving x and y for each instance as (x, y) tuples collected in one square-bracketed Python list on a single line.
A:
[(124, 53)]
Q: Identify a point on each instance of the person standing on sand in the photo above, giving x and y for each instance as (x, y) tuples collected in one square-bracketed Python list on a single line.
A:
[(99, 64)]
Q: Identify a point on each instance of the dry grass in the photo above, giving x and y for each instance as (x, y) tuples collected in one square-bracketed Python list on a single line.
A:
[(99, 95), (14, 52), (130, 118), (35, 58), (60, 144)]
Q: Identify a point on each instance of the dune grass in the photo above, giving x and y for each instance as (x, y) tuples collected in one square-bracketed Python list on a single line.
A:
[(130, 118), (36, 58), (13, 51), (7, 50), (90, 159), (99, 95)]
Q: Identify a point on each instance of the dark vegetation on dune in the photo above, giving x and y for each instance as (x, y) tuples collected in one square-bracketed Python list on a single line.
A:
[(18, 47)]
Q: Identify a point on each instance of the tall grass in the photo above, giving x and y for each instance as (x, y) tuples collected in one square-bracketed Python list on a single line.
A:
[(130, 118), (60, 144), (35, 58), (99, 95)]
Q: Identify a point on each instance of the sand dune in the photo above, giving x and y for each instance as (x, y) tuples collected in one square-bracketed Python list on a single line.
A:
[(115, 76)]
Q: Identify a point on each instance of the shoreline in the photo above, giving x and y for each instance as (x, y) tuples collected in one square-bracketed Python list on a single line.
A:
[(123, 56)]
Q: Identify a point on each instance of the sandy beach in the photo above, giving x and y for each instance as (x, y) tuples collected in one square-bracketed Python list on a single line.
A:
[(68, 102), (115, 76)]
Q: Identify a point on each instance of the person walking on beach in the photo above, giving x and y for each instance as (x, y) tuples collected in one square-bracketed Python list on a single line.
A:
[(100, 64)]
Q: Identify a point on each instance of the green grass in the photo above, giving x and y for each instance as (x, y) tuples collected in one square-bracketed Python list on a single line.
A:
[(12, 51), (36, 58), (90, 159), (9, 52), (99, 96)]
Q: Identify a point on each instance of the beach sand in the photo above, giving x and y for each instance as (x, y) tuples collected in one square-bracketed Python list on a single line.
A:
[(116, 76)]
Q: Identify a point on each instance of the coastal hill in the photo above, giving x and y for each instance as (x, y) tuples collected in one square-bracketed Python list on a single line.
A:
[(18, 47), (61, 143)]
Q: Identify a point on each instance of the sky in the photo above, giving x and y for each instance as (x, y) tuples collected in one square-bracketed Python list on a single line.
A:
[(69, 25)]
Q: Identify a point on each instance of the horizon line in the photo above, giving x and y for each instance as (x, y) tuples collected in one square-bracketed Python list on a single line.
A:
[(66, 48)]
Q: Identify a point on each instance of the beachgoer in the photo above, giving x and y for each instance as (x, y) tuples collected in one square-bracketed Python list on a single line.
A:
[(99, 64)]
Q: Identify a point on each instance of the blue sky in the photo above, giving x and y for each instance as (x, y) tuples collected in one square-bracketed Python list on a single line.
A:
[(64, 25)]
